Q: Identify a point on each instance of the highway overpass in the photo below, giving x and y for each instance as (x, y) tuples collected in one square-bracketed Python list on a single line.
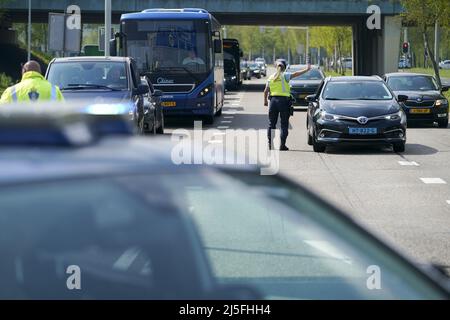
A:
[(375, 51)]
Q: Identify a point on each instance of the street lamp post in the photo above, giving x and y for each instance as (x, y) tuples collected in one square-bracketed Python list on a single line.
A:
[(29, 32), (107, 26)]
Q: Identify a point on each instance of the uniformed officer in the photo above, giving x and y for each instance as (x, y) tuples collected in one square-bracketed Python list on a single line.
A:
[(279, 93), (32, 87)]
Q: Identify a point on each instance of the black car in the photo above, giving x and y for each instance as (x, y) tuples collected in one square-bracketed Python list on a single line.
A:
[(246, 73), (255, 70), (153, 110), (426, 102), (88, 222), (304, 85), (360, 110), (104, 80)]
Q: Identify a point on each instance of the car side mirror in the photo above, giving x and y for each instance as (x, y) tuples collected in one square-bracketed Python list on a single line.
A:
[(158, 93), (402, 98), (113, 47), (217, 46), (311, 98), (445, 88), (142, 89)]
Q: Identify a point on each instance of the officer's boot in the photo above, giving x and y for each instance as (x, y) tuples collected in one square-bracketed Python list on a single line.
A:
[(283, 146)]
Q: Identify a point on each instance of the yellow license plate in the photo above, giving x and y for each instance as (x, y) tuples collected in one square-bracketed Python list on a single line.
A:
[(169, 104), (419, 110)]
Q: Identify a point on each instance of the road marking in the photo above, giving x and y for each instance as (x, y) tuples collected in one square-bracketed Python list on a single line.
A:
[(223, 121), (448, 201), (222, 127), (126, 259), (215, 141), (433, 181), (408, 163), (219, 134), (328, 249), (229, 117)]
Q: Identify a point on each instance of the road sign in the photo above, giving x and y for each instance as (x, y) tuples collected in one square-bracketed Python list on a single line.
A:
[(61, 38), (101, 38), (56, 23)]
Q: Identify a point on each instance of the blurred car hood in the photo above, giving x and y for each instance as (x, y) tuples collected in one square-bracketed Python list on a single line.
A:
[(358, 108)]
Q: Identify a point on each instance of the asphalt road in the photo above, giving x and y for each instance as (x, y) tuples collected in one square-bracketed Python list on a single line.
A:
[(389, 193)]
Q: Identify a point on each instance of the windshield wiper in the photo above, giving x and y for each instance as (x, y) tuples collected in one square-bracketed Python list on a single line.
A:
[(79, 86)]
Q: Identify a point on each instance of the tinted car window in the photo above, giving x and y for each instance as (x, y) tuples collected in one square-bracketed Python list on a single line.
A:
[(70, 74), (362, 90), (313, 74), (416, 83)]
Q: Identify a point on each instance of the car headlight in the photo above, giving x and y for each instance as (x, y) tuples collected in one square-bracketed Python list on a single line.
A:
[(256, 71), (394, 116), (233, 78), (441, 102), (328, 116)]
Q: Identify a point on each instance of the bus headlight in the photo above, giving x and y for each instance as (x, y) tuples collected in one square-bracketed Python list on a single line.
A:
[(205, 91)]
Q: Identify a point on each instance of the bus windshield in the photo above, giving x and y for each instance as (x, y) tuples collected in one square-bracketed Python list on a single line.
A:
[(175, 46)]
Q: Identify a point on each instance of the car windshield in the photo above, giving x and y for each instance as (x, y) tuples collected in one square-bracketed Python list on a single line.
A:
[(88, 74), (255, 231), (229, 67), (174, 46), (352, 90), (412, 83), (313, 74)]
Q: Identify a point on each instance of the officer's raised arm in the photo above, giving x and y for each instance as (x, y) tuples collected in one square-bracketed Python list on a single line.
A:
[(300, 72)]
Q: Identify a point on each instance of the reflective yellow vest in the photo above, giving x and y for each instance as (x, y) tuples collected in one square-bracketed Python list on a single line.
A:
[(32, 87), (279, 87)]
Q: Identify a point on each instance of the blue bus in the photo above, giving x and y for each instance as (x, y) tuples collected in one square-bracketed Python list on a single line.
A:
[(181, 52)]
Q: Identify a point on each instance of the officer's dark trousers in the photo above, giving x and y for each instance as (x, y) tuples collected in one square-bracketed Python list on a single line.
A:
[(279, 106)]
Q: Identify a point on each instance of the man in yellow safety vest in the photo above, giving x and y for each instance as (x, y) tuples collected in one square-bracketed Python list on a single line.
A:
[(32, 87)]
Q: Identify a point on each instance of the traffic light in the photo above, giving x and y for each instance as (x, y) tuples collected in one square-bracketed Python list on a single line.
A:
[(405, 47)]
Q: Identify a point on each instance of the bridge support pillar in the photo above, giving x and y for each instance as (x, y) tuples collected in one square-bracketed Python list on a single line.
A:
[(376, 52)]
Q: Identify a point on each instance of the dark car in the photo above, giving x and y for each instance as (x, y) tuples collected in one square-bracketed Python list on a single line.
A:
[(231, 75), (306, 84), (426, 102), (358, 110), (246, 73), (88, 222), (153, 110), (255, 70), (103, 79)]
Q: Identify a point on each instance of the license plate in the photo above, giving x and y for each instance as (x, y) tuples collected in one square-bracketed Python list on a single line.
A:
[(169, 104), (363, 131), (419, 110), (302, 96)]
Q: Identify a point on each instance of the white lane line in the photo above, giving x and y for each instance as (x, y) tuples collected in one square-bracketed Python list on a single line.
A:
[(328, 249), (219, 134), (215, 141), (222, 127), (126, 259), (433, 181), (223, 121), (408, 163), (229, 117)]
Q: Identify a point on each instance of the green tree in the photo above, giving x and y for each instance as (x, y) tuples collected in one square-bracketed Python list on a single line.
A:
[(424, 14)]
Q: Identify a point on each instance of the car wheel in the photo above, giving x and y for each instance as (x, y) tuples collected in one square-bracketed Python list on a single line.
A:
[(219, 113), (160, 129), (317, 146), (399, 147), (443, 123), (310, 139)]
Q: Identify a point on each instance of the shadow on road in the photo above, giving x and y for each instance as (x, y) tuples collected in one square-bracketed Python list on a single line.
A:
[(419, 150), (358, 150), (253, 87)]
